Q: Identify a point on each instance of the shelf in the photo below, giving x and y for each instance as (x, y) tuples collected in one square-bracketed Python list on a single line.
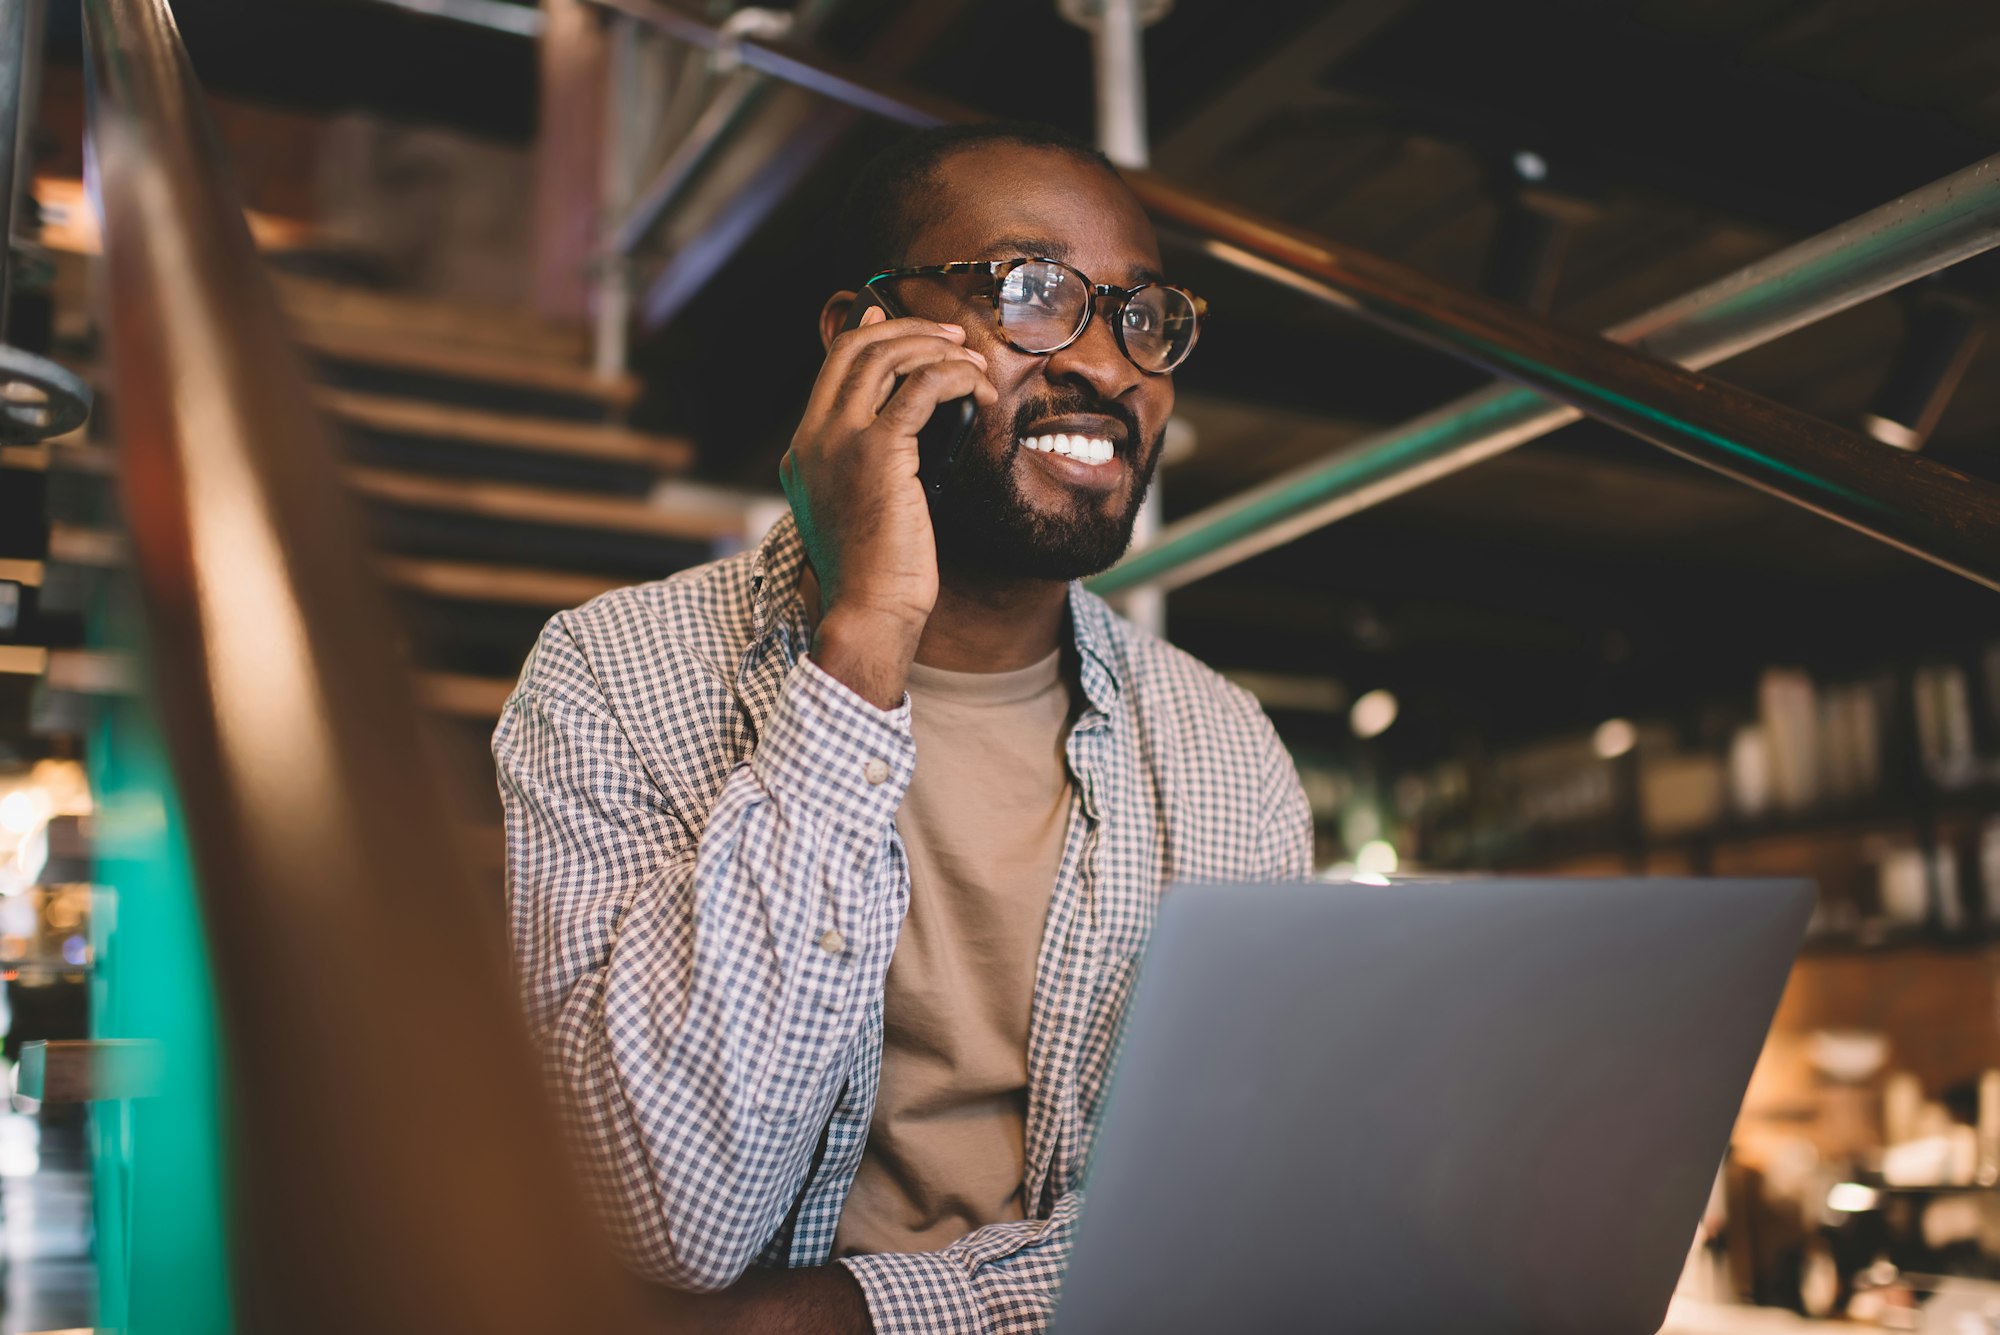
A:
[(1967, 808), (84, 1071)]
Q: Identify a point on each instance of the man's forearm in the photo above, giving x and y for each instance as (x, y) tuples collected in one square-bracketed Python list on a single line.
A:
[(821, 1300)]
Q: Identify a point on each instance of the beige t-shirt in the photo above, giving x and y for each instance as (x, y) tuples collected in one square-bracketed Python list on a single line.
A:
[(984, 823)]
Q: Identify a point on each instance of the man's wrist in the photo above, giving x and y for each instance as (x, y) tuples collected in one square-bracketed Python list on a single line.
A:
[(868, 653)]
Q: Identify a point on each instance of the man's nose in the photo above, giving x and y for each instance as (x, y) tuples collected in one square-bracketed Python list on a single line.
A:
[(1096, 359)]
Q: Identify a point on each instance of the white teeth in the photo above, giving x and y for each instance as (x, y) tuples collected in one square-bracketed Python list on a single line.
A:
[(1084, 449)]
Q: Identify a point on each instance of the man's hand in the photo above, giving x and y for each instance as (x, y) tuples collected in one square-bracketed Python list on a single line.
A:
[(822, 1300), (851, 476)]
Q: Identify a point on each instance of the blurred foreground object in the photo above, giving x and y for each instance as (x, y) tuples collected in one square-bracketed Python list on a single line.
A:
[(395, 1165)]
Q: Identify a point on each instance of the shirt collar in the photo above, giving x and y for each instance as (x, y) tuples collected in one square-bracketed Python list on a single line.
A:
[(1095, 628)]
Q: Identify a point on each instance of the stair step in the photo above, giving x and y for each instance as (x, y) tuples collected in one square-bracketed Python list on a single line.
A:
[(105, 672), (509, 431), (472, 581), (65, 454), (323, 304), (84, 671), (27, 660), (80, 545), (462, 695), (494, 371), (76, 544), (535, 505), (465, 581)]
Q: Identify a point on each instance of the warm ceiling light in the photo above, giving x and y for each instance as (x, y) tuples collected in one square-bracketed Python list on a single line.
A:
[(1615, 736), (1372, 714)]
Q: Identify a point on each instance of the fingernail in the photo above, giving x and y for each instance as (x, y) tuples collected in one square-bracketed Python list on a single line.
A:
[(976, 355), (951, 328)]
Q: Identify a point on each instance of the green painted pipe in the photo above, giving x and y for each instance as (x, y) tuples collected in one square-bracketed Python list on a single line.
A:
[(1922, 232)]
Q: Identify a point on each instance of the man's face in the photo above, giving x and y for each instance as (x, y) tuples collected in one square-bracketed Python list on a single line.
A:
[(1011, 509)]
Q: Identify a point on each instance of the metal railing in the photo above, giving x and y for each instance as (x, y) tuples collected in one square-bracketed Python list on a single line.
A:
[(38, 399), (492, 15), (397, 1168), (1914, 503), (735, 93), (1919, 234)]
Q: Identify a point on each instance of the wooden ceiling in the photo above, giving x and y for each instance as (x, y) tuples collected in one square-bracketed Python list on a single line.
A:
[(1685, 137), (1544, 588)]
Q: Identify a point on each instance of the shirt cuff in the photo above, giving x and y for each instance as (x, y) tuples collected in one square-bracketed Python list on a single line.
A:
[(826, 746), (917, 1293)]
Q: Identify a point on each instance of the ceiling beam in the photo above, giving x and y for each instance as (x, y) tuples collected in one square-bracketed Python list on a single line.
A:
[(1292, 70), (493, 15), (781, 141)]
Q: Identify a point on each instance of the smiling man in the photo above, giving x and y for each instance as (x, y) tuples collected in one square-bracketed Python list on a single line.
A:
[(830, 865)]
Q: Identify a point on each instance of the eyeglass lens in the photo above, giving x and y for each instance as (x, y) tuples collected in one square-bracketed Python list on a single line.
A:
[(1042, 306)]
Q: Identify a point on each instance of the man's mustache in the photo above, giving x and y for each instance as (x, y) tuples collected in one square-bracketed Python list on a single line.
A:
[(1065, 405)]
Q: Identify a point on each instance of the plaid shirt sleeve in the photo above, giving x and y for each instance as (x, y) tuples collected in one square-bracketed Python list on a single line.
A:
[(699, 993), (1284, 847), (999, 1280)]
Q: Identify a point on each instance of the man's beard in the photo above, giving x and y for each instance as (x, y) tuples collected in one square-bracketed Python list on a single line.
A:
[(984, 525)]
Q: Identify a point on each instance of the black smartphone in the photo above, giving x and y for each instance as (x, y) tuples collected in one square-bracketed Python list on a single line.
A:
[(940, 439)]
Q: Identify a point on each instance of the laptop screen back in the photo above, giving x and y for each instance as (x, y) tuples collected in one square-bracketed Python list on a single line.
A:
[(1476, 1106)]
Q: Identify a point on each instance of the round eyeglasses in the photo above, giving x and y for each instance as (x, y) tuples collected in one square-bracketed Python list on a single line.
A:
[(1042, 306)]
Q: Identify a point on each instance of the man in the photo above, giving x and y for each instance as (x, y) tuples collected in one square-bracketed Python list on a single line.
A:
[(831, 864)]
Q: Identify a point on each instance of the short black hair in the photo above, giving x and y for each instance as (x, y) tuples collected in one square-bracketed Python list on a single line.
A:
[(894, 196)]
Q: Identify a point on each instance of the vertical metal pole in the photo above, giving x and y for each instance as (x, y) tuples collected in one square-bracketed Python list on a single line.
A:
[(1121, 83), (14, 58), (38, 399), (1121, 134), (31, 93), (611, 299)]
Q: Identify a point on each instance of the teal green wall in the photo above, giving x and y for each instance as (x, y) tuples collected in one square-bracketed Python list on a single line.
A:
[(162, 1230)]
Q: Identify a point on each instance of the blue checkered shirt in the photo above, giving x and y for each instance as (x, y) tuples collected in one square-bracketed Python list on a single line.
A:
[(705, 885)]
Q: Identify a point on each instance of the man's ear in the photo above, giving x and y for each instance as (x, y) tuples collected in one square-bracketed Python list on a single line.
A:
[(833, 316)]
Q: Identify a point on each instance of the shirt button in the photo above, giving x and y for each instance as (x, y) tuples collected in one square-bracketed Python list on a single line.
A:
[(832, 942), (876, 772)]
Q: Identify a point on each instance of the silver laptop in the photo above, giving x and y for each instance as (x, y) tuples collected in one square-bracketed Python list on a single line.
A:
[(1482, 1107)]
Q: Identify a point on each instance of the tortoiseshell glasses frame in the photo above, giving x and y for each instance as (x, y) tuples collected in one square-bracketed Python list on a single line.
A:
[(1156, 334)]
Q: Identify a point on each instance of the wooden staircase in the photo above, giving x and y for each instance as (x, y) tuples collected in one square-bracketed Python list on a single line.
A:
[(499, 485)]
